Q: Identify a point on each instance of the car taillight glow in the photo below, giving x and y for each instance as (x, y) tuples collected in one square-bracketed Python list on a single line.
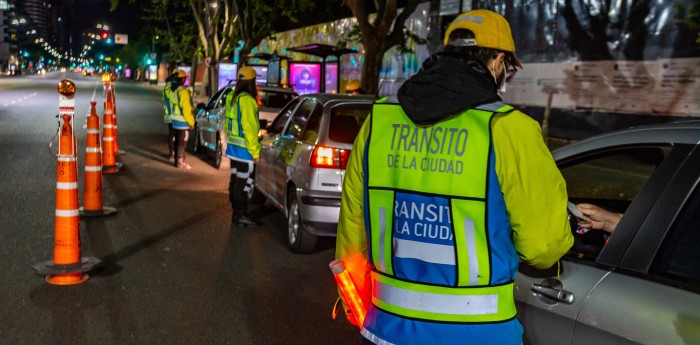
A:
[(329, 157)]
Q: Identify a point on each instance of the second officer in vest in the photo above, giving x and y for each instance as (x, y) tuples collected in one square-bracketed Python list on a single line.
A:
[(243, 148), (182, 116), (445, 193)]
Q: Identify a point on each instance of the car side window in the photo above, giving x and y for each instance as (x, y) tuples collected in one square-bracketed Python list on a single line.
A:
[(611, 180), (296, 126), (679, 257), (274, 99), (278, 124), (313, 126), (222, 100), (214, 99)]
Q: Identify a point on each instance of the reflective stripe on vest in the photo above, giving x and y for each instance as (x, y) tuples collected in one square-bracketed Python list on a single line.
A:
[(426, 194), (177, 113), (446, 304), (235, 126)]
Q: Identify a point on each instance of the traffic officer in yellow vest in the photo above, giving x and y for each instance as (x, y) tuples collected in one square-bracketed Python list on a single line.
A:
[(243, 146), (182, 116), (167, 116), (445, 192)]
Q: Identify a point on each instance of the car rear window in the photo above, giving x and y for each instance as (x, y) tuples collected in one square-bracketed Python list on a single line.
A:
[(275, 99), (346, 121)]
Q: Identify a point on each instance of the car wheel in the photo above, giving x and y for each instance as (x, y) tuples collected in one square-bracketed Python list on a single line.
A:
[(218, 152), (298, 240), (197, 141)]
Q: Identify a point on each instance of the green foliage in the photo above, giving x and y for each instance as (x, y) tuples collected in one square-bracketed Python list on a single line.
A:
[(689, 17)]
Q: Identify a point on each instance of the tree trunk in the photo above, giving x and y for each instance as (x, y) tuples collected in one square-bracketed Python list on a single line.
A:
[(372, 66), (193, 72)]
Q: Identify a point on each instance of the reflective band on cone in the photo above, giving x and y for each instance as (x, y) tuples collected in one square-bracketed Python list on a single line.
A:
[(67, 266), (109, 160), (92, 195)]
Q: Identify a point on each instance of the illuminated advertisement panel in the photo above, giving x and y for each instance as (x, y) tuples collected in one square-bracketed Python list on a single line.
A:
[(227, 72), (261, 71), (305, 77), (331, 78)]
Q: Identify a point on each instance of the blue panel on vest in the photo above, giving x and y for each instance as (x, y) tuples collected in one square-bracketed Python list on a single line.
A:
[(423, 219), (504, 258), (425, 272), (180, 125), (397, 330), (233, 151), (423, 239)]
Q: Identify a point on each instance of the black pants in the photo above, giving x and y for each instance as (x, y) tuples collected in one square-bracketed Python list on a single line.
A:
[(171, 139), (242, 173), (181, 136)]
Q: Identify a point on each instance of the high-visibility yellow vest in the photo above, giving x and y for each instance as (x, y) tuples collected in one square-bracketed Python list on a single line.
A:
[(426, 211)]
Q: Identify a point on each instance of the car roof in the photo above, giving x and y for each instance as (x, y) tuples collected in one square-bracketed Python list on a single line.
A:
[(680, 132), (268, 88), (325, 98)]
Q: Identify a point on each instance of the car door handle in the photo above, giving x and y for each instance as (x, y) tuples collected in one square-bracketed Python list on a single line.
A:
[(554, 292)]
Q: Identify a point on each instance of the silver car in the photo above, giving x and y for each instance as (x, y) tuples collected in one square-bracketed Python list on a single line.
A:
[(303, 159), (641, 283), (209, 132)]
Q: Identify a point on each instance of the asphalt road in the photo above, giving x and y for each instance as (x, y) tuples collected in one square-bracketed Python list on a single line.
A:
[(174, 270)]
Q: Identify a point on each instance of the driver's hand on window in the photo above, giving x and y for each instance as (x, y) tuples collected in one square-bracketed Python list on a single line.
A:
[(601, 218)]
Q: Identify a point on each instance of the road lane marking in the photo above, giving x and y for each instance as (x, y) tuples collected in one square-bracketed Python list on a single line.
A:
[(20, 99)]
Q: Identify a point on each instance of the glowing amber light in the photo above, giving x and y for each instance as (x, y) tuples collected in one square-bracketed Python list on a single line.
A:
[(66, 87), (105, 77)]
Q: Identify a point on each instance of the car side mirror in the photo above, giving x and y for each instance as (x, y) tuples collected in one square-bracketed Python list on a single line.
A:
[(201, 106), (263, 123)]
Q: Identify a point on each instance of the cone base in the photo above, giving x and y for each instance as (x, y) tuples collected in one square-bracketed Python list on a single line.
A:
[(67, 279), (104, 212), (112, 169), (49, 268)]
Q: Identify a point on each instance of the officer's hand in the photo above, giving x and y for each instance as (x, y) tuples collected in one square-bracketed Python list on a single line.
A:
[(256, 160)]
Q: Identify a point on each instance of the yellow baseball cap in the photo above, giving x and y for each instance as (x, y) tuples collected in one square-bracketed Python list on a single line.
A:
[(247, 73), (490, 30), (181, 74)]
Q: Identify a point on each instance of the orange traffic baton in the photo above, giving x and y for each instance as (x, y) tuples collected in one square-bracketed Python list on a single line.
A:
[(352, 298), (67, 266), (109, 161), (92, 194)]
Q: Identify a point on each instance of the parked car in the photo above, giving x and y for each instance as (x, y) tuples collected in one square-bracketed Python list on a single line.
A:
[(303, 159), (209, 131), (640, 284)]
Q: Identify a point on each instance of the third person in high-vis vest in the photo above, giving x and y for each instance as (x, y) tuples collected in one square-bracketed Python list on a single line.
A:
[(445, 192), (168, 113), (182, 116), (243, 148)]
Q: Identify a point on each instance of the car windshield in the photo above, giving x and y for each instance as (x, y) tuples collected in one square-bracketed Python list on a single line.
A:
[(274, 99), (346, 121)]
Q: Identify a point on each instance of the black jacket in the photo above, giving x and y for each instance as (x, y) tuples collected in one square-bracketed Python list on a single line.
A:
[(446, 85)]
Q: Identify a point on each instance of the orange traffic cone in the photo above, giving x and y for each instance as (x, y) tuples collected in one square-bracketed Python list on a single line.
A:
[(110, 95), (92, 194), (109, 161), (67, 267)]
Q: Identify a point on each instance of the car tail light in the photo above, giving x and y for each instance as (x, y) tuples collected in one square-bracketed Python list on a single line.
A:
[(329, 157)]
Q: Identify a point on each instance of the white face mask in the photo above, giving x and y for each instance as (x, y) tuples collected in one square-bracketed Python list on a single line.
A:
[(502, 87)]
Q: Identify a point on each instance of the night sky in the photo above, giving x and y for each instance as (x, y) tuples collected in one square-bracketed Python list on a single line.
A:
[(125, 20)]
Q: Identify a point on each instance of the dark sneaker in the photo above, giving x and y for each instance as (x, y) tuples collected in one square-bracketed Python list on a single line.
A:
[(246, 221)]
